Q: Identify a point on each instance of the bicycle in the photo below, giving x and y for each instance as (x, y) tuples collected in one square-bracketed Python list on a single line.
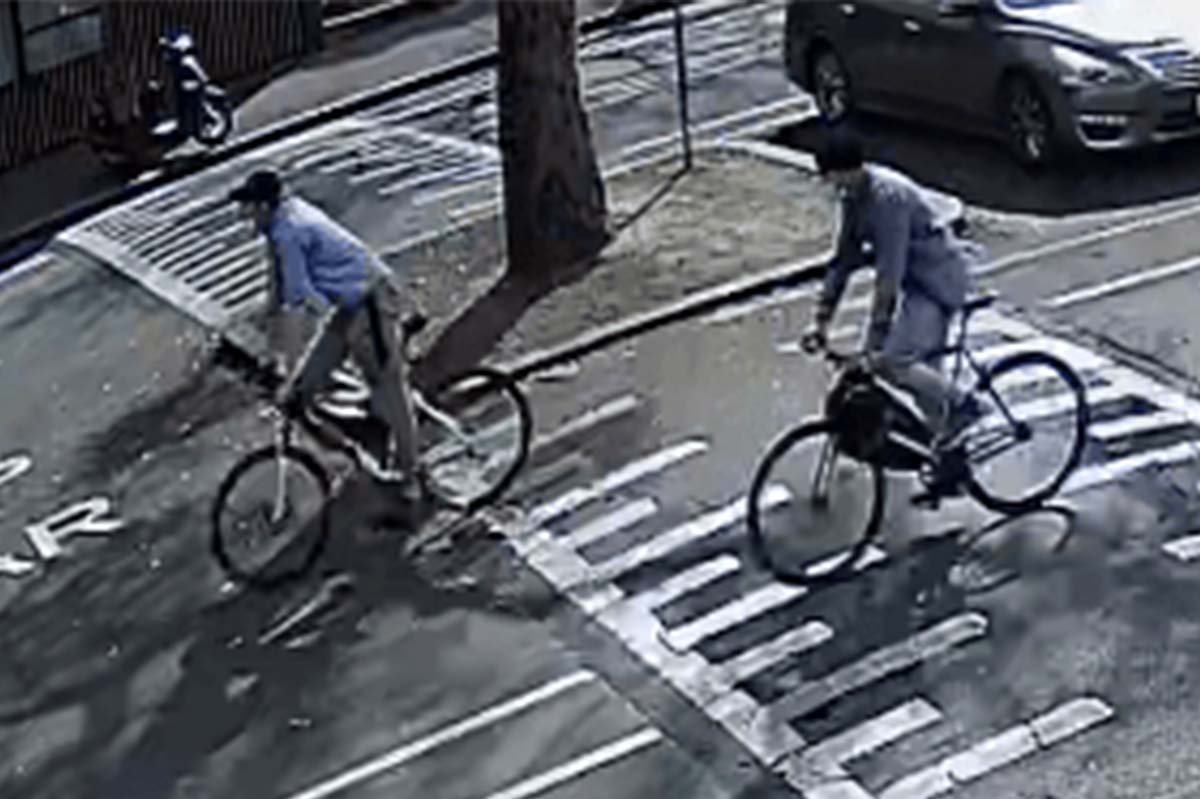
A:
[(479, 417), (836, 463)]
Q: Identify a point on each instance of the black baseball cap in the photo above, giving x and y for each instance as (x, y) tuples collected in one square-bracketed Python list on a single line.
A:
[(263, 186), (841, 150)]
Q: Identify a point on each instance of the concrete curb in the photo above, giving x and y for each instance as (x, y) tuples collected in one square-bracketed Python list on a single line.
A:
[(697, 304), (707, 300), (24, 241)]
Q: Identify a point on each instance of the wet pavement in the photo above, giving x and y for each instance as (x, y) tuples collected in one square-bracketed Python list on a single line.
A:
[(1047, 657)]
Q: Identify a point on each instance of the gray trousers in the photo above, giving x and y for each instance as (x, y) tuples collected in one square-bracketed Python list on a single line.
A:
[(369, 335), (919, 330)]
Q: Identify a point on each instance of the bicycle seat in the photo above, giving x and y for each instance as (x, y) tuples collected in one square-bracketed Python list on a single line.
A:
[(979, 302)]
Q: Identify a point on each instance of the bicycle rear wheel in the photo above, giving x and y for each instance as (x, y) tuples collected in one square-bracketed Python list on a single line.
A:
[(811, 510), (474, 438), (270, 519), (1020, 454)]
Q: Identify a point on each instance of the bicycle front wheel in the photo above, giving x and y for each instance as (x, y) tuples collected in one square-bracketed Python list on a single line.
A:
[(270, 519), (474, 438), (812, 510), (1022, 451)]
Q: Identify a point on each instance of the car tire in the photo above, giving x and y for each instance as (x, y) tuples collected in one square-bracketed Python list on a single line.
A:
[(1028, 122), (832, 87)]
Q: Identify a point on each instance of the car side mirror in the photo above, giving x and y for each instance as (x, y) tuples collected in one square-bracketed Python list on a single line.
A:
[(961, 8)]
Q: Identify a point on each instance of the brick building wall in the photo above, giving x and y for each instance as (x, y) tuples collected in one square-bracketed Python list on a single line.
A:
[(54, 57)]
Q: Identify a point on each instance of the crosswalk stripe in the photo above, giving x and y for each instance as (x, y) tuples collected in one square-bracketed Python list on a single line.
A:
[(820, 771), (1185, 549), (631, 473), (877, 732), (1111, 471), (1134, 424), (685, 582), (689, 532), (628, 515), (880, 664), (1004, 748), (791, 642), (748, 606)]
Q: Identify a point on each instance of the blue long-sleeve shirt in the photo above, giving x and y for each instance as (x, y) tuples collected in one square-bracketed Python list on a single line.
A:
[(318, 262), (914, 250)]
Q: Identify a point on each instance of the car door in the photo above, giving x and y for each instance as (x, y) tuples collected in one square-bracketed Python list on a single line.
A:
[(856, 29), (950, 62)]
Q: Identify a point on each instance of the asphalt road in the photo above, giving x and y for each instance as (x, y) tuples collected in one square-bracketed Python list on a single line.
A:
[(613, 645)]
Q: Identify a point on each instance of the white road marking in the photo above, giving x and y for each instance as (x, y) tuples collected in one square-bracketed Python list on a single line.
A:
[(765, 599), (446, 735), (789, 643), (689, 532), (601, 414), (1134, 424), (572, 769), (1111, 471), (624, 517), (1136, 280), (631, 473), (1009, 746), (876, 733), (821, 769), (878, 665), (1185, 549)]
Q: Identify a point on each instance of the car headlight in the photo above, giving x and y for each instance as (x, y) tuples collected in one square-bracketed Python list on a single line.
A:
[(1082, 69)]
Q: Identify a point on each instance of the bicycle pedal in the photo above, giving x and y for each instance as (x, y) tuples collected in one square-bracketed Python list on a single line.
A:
[(927, 500)]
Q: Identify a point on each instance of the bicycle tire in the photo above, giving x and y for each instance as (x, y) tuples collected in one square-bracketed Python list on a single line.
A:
[(310, 550), (1024, 504), (761, 550), (492, 380)]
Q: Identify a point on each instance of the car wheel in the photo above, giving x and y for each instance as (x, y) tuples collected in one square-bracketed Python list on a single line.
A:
[(1028, 122), (831, 86)]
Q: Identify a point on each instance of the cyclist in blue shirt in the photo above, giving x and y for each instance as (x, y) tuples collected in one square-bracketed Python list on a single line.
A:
[(922, 273), (321, 268)]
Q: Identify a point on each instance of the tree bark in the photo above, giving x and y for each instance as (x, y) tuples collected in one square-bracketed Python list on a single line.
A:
[(554, 200)]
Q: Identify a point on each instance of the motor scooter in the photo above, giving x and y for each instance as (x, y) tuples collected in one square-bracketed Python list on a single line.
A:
[(201, 111)]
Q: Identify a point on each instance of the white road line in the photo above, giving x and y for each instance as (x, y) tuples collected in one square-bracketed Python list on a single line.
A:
[(878, 665), (1185, 549), (733, 613), (876, 733), (764, 600), (1133, 424), (1111, 471), (689, 532), (1087, 239), (601, 756), (410, 751), (602, 414), (576, 498), (820, 771), (686, 582), (792, 642), (1079, 358), (624, 517), (1122, 284), (1015, 743)]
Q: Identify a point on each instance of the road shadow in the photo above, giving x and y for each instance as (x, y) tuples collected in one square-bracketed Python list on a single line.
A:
[(203, 675), (474, 333), (982, 173)]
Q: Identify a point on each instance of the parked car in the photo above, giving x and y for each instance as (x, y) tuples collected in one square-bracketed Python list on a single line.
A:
[(1046, 76)]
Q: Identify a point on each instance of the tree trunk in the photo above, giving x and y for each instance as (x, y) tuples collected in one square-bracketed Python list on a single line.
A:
[(554, 199)]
